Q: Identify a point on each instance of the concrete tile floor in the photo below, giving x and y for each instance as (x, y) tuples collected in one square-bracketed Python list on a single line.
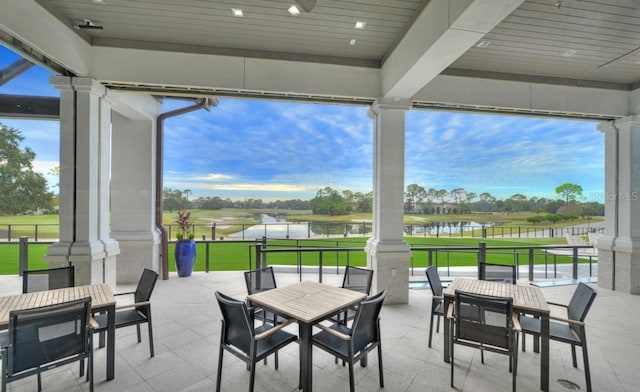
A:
[(187, 331)]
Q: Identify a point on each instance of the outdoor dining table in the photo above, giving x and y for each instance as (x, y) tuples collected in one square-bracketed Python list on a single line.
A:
[(526, 299), (102, 300), (308, 303)]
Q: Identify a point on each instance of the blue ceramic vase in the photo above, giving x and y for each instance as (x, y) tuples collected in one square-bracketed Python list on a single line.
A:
[(185, 255)]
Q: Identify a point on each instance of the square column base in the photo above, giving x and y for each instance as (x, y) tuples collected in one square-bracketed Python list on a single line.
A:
[(390, 261)]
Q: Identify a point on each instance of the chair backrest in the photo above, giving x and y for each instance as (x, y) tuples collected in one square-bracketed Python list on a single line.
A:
[(580, 302), (48, 279), (434, 280), (260, 280), (43, 335), (145, 288), (366, 324), (484, 319), (497, 273), (236, 322), (357, 279)]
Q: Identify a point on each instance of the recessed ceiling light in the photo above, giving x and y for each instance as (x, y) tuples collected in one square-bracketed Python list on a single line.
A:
[(294, 11), (569, 53), (361, 25), (237, 12), (98, 1), (483, 44), (352, 42)]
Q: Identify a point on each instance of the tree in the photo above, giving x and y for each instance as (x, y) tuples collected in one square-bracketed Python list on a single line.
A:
[(21, 189), (569, 192), (329, 202), (415, 194)]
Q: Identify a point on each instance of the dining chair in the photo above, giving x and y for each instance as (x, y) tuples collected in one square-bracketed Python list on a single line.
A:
[(48, 279), (497, 273), (494, 327), (136, 313), (353, 344), (239, 337), (437, 305), (257, 281), (569, 330), (355, 279), (47, 337)]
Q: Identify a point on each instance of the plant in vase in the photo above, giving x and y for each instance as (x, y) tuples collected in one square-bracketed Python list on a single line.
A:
[(185, 252)]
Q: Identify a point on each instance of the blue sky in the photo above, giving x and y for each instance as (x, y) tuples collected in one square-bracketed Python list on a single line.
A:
[(278, 150)]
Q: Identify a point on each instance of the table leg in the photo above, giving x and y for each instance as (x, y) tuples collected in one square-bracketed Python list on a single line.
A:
[(544, 352), (111, 341), (445, 325), (306, 362)]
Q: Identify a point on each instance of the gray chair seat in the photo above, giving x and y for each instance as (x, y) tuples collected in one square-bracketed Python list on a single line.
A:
[(559, 331), (123, 318)]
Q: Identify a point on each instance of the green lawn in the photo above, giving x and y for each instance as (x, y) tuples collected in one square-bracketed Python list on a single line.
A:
[(227, 256)]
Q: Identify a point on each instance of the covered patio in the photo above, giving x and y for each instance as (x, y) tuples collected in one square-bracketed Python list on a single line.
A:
[(115, 61), (187, 333)]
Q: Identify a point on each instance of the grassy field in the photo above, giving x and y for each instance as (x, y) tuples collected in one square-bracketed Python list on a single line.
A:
[(226, 255)]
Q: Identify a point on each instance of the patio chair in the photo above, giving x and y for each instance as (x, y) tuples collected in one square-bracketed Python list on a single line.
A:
[(493, 328), (47, 337), (569, 330), (135, 313), (356, 279), (353, 344), (240, 338), (48, 279), (497, 273), (437, 305), (257, 281)]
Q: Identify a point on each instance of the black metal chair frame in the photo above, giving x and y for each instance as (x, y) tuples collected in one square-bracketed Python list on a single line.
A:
[(570, 330), (497, 272), (38, 340), (480, 330), (239, 337), (136, 313), (56, 278), (437, 305), (355, 279), (259, 280), (353, 344)]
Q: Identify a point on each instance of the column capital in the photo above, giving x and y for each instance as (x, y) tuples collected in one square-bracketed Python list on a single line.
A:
[(382, 104), (61, 83), (90, 86)]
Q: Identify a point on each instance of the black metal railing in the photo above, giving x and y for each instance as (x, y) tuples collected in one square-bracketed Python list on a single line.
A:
[(546, 261), (48, 232)]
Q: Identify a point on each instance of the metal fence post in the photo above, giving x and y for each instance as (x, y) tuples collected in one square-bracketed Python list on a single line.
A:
[(24, 255), (531, 264), (482, 258)]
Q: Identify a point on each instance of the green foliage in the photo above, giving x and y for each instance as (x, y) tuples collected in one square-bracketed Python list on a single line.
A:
[(569, 191), (21, 189), (185, 225), (551, 218), (329, 202)]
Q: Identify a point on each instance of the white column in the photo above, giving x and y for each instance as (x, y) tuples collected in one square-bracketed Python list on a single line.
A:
[(387, 252), (619, 248), (84, 179), (133, 196)]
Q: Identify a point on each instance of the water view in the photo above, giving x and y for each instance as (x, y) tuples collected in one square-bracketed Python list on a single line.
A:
[(279, 227)]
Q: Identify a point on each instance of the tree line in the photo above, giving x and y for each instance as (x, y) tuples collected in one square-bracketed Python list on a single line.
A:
[(420, 200)]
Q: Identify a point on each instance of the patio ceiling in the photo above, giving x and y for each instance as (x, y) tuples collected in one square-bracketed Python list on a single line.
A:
[(576, 43)]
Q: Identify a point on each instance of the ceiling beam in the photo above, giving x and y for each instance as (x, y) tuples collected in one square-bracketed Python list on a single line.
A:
[(442, 32), (31, 107)]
